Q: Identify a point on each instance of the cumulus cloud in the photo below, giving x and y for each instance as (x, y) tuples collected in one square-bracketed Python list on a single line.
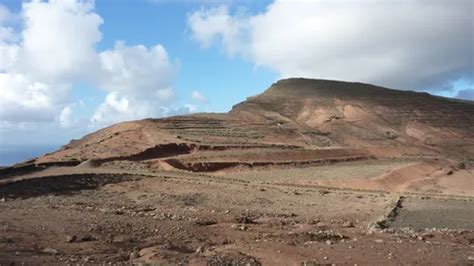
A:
[(137, 71), (138, 80), (216, 25), (56, 48), (183, 110), (117, 108), (58, 40), (401, 44), (26, 100), (196, 95)]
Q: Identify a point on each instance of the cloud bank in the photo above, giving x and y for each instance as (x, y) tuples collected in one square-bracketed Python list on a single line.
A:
[(417, 44)]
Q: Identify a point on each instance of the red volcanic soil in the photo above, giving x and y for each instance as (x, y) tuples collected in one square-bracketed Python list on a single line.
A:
[(309, 172)]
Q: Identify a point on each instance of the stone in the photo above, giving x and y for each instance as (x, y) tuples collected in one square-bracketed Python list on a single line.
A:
[(324, 192), (200, 249), (378, 241), (241, 227), (121, 239), (71, 238), (348, 224), (50, 251), (86, 238), (134, 255)]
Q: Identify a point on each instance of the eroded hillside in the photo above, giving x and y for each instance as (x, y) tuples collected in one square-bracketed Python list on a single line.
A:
[(309, 172), (296, 114)]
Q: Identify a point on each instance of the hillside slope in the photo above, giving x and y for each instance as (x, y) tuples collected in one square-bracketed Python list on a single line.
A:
[(357, 114), (310, 172), (298, 113)]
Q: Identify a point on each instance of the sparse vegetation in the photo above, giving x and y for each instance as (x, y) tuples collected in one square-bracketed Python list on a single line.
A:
[(308, 171)]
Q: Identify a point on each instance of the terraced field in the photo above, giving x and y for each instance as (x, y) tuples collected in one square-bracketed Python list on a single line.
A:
[(309, 172)]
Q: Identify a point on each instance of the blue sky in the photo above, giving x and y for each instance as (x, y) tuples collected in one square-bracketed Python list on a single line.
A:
[(70, 67), (148, 23)]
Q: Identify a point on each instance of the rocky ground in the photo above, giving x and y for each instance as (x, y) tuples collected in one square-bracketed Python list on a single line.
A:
[(309, 172), (176, 217)]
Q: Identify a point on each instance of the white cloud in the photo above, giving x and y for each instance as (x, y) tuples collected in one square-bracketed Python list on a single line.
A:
[(8, 52), (58, 40), (65, 117), (137, 71), (214, 25), (56, 48), (118, 108), (196, 95), (402, 44), (189, 108), (26, 100), (138, 80), (183, 110), (7, 35)]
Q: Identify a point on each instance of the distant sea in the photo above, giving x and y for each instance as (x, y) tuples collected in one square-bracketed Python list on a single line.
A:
[(11, 154)]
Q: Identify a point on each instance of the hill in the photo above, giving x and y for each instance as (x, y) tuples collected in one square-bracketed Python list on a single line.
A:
[(309, 172), (302, 113)]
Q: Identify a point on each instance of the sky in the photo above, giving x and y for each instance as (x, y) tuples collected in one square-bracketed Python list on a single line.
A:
[(70, 67)]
